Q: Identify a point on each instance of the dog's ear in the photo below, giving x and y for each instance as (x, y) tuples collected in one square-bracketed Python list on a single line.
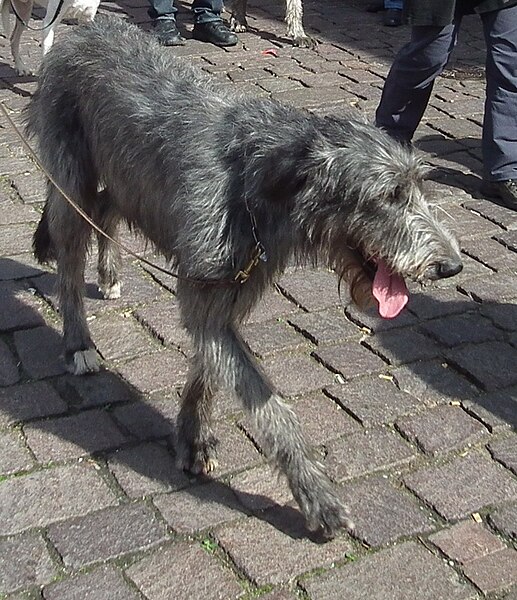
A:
[(285, 173)]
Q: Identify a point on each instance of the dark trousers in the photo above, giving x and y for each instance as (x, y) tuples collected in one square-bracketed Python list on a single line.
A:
[(204, 10), (410, 82)]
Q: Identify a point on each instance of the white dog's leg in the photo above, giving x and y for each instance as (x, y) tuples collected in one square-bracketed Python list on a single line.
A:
[(6, 22), (24, 10)]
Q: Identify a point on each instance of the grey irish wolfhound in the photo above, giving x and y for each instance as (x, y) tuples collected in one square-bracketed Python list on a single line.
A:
[(213, 178)]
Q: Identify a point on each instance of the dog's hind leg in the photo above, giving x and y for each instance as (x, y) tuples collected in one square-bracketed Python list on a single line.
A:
[(69, 236), (109, 254), (196, 443)]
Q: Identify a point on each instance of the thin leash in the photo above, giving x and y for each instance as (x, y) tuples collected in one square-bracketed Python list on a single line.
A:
[(241, 277), (26, 24)]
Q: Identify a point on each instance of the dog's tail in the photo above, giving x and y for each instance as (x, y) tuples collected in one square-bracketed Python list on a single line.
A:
[(42, 245)]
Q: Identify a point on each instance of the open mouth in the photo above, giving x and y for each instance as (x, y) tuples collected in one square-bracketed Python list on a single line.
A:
[(386, 287), (390, 291)]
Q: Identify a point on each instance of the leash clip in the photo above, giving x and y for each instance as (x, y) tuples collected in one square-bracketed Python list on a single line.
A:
[(258, 254)]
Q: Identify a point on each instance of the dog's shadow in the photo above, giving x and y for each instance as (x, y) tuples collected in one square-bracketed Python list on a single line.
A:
[(117, 393)]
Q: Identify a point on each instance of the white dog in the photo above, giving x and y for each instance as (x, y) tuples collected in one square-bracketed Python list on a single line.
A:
[(57, 10)]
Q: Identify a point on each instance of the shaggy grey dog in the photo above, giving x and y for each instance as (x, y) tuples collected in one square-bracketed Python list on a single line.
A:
[(214, 180)]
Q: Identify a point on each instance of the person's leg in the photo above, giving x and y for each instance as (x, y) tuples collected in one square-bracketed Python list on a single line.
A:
[(163, 14), (208, 24), (410, 81), (499, 128), (393, 13)]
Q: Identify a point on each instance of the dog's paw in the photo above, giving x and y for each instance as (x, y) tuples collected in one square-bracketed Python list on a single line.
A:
[(199, 458), (24, 71), (305, 41), (238, 25), (110, 292), (328, 514), (84, 361)]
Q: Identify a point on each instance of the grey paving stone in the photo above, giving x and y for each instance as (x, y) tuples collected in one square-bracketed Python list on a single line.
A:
[(272, 305), (466, 541), (460, 329), (497, 410), (503, 315), (103, 583), (496, 288), (403, 346), (367, 452), (260, 488), (20, 309), (374, 400), (234, 450), (199, 507), (40, 351), (14, 456), (24, 561), (15, 239), (438, 303), (463, 486), (269, 337), (371, 322), (164, 321), (18, 267), (350, 359), (107, 534), (322, 419), (325, 326), (13, 212), (29, 401), (8, 368), (249, 544), (157, 371), (297, 374), (51, 495), (433, 382), (382, 513), (505, 451), (442, 429), (71, 437), (311, 289), (493, 572), (504, 519), (404, 572), (158, 581), (148, 420), (97, 389), (491, 364), (119, 337), (146, 469)]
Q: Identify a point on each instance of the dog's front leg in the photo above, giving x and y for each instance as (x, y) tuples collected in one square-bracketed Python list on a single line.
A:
[(276, 428), (294, 20), (196, 443), (24, 10), (238, 22)]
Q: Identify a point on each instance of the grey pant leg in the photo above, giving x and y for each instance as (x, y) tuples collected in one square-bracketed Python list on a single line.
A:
[(500, 121), (411, 78)]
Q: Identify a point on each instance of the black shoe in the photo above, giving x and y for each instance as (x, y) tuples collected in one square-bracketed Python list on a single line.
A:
[(167, 32), (392, 17), (506, 191), (215, 32), (375, 7)]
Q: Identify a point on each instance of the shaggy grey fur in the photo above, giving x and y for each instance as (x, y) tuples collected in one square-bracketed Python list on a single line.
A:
[(187, 163)]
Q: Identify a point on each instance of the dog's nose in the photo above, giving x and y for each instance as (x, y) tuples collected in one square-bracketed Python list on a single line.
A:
[(448, 268)]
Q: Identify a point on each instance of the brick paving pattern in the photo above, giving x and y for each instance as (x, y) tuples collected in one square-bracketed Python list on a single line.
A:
[(412, 418)]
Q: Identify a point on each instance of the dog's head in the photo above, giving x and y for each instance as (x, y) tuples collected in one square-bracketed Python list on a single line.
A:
[(376, 225)]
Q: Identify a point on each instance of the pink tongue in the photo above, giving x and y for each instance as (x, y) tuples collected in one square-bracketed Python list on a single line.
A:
[(390, 291)]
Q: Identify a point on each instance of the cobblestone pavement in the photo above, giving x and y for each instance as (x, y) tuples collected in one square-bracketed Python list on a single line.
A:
[(412, 418)]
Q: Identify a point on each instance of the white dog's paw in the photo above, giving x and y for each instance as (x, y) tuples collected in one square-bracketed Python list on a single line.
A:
[(111, 292), (84, 361), (238, 25)]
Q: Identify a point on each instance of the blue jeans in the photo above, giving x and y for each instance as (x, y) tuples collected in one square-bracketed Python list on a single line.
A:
[(204, 10), (411, 78), (396, 4)]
